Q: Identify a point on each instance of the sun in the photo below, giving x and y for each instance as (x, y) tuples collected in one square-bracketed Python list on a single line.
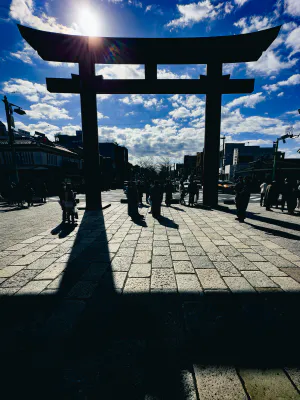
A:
[(88, 21)]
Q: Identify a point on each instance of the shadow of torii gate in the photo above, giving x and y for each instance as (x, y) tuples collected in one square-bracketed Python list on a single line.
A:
[(88, 51)]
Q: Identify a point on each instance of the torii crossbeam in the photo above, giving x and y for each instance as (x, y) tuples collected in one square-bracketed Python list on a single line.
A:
[(88, 51)]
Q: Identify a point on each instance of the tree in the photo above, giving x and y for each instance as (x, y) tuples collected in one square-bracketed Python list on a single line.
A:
[(164, 166), (148, 168)]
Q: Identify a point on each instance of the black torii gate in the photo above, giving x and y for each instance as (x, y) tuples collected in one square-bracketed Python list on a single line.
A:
[(88, 51)]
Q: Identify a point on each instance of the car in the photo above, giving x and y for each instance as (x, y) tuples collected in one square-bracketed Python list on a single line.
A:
[(226, 186)]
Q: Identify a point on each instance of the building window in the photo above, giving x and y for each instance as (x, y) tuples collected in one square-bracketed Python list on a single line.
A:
[(51, 159)]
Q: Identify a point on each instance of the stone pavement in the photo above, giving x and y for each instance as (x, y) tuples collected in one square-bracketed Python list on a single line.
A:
[(195, 305)]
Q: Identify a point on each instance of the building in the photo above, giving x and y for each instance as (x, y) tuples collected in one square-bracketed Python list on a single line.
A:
[(39, 160), (68, 141), (119, 157), (237, 156)]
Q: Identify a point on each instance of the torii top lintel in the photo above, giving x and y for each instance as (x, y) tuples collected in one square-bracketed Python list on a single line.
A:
[(100, 50)]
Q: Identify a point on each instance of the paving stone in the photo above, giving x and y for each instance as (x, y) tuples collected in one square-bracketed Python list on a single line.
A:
[(7, 291), (82, 290), (121, 263), (291, 257), (17, 246), (293, 273), (175, 240), (180, 256), (95, 271), (217, 257), (130, 243), (10, 270), (31, 240), (242, 264), (177, 247), (30, 258), (8, 260), (279, 261), (126, 252), (136, 285), (33, 287), (142, 257), (210, 279), (218, 383), (160, 237), (258, 279), (195, 251), (269, 269), (183, 267), (254, 257), (161, 251), (238, 284), (268, 384), (263, 251), (47, 247), (41, 263), (220, 242), (210, 247), (161, 262), (190, 243), (144, 246), (20, 279), (201, 262), (140, 271), (163, 279), (271, 245), (188, 283), (294, 374), (287, 284), (119, 279), (226, 268), (51, 272), (160, 243), (63, 320)]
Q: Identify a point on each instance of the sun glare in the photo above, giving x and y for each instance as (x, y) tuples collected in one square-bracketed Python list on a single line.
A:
[(89, 22)]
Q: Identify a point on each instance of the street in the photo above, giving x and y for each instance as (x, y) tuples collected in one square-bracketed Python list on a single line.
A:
[(194, 305)]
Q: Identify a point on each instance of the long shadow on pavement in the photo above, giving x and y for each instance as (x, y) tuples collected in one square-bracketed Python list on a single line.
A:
[(86, 339)]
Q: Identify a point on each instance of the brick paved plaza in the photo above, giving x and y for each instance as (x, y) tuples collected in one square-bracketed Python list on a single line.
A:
[(194, 306)]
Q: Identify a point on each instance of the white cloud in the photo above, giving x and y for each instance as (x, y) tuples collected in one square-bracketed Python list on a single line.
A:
[(289, 26), (292, 7), (100, 115), (154, 8), (196, 12), (133, 99), (269, 63), (180, 112), (47, 111), (33, 92), (240, 3), (23, 11), (165, 74), (293, 40), (118, 71), (280, 94), (254, 23), (247, 101), (291, 81)]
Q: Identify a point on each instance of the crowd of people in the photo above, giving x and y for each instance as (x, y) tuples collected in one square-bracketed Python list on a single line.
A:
[(289, 192), (18, 194), (154, 192), (271, 195)]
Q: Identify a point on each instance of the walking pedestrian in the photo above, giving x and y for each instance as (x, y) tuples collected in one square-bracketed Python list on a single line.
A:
[(44, 192), (192, 189), (169, 192), (28, 194), (270, 196), (182, 192), (156, 196), (69, 203), (133, 200), (140, 191), (242, 197), (286, 193), (263, 188)]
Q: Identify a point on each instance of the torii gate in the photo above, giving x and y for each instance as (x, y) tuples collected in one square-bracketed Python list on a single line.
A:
[(88, 51)]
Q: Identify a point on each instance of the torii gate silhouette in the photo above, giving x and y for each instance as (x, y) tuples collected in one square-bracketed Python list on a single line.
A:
[(88, 51)]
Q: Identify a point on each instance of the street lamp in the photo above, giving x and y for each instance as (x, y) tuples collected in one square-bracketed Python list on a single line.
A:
[(10, 124)]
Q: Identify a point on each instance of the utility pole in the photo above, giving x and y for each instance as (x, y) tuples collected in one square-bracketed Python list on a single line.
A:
[(9, 119), (289, 134)]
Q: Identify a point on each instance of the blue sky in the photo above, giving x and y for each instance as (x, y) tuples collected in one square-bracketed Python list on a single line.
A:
[(156, 126)]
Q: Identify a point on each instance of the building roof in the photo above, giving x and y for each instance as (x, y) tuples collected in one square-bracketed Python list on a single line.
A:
[(102, 50)]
